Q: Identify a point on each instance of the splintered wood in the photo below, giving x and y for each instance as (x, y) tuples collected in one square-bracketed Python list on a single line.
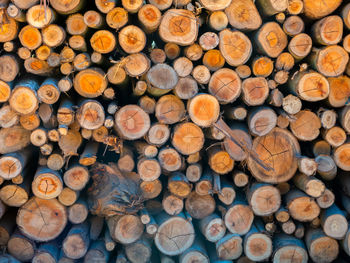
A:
[(174, 131)]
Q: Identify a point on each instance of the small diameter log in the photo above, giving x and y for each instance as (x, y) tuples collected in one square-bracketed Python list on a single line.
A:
[(261, 121), (281, 158), (78, 43), (328, 118), (179, 186), (240, 179), (89, 155), (201, 74), (334, 222), (47, 252), (310, 86), (96, 253), (5, 91), (186, 87), (157, 55), (262, 66), (47, 184), (30, 37), (131, 39), (39, 16), (183, 66), (203, 109), (227, 192), (264, 199), (229, 247), (239, 216), (289, 248), (116, 74), (68, 196), (213, 60), (175, 234), (151, 190), (172, 204), (126, 160), (291, 104), (178, 26), (117, 17), (301, 207), (212, 227), (21, 247), (307, 166), (145, 149), (42, 220), (70, 143), (204, 185), (306, 126), (220, 160), (238, 53), (196, 252), (328, 31), (125, 229), (78, 212), (218, 20), (187, 138), (162, 78), (169, 109), (255, 91), (300, 46), (318, 8), (172, 50), (271, 40), (199, 206), (330, 61), (48, 91), (16, 195), (90, 83), (7, 226), (225, 85), (131, 122), (194, 172), (137, 64), (96, 226), (257, 244), (76, 243), (12, 164), (326, 199), (309, 184), (9, 67), (345, 118), (293, 25)]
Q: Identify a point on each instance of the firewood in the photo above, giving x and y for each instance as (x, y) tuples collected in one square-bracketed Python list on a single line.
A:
[(21, 247), (264, 199), (229, 247), (125, 229)]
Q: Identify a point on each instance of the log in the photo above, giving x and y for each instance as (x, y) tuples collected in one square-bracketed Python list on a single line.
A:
[(340, 157), (318, 9), (212, 227), (76, 242), (199, 206), (309, 184), (293, 25), (131, 39), (187, 87), (264, 199), (219, 160), (229, 247), (90, 83), (21, 247), (334, 222), (187, 138), (289, 248), (78, 212), (48, 252), (255, 91), (261, 121), (162, 78), (48, 225), (140, 247), (175, 234), (203, 110), (169, 109)]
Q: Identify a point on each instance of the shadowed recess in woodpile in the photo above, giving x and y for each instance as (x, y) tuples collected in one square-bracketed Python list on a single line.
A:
[(168, 131)]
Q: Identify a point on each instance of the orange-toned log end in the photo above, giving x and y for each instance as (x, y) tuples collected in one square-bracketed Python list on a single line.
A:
[(277, 150), (42, 220), (306, 126), (188, 138), (339, 91), (220, 161), (117, 17), (341, 157), (151, 189), (103, 41), (313, 87), (5, 91), (323, 249), (213, 60), (132, 39), (30, 37), (316, 9), (303, 209), (150, 17), (9, 30), (225, 85), (258, 246), (132, 122), (90, 83), (47, 186), (203, 109), (255, 91), (262, 67), (331, 61), (13, 139)]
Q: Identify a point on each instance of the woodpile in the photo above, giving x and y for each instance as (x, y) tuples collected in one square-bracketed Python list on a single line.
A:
[(174, 131)]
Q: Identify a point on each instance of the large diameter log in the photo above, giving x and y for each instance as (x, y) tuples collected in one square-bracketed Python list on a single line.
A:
[(24, 99), (188, 138), (316, 9), (334, 222), (67, 7), (225, 85), (289, 248), (229, 247), (271, 40), (132, 122), (280, 156), (131, 39), (199, 206), (264, 199), (12, 164), (203, 109), (255, 91), (90, 83), (125, 229), (301, 207), (235, 47), (243, 15), (306, 125), (328, 31), (42, 220), (321, 247), (178, 26), (21, 247), (13, 139), (175, 234), (47, 184)]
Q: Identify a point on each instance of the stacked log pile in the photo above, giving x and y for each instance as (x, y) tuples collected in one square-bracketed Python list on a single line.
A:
[(174, 131)]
